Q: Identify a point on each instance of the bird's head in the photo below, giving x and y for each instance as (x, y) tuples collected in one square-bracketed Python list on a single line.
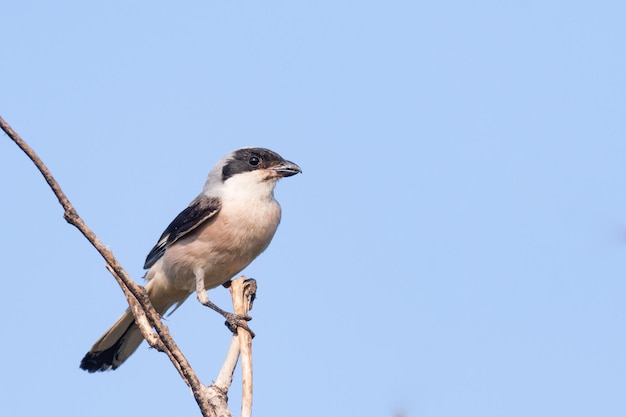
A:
[(250, 167)]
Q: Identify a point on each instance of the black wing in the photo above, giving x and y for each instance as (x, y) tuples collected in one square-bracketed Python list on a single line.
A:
[(199, 211)]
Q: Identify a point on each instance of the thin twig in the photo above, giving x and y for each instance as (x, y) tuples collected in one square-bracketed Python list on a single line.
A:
[(243, 292), (225, 377), (135, 294)]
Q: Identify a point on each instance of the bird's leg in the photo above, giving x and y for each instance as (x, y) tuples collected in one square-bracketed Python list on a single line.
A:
[(232, 320)]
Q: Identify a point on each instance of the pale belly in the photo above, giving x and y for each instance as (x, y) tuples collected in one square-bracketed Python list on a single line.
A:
[(222, 248)]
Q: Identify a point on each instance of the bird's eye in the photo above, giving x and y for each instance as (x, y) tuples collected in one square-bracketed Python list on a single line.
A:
[(254, 161)]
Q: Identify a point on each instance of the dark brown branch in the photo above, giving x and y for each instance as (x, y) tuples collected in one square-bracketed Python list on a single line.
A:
[(135, 294)]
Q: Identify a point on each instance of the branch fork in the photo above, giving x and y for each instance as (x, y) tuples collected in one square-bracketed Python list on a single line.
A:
[(212, 400)]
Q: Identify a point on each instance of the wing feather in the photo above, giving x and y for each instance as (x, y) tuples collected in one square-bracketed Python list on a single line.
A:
[(201, 210)]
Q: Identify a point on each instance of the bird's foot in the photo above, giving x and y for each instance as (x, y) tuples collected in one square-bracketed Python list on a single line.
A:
[(233, 321)]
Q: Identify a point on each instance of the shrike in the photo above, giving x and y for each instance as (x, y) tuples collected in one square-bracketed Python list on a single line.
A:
[(229, 224)]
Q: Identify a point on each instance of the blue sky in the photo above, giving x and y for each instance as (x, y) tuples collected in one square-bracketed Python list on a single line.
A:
[(454, 247)]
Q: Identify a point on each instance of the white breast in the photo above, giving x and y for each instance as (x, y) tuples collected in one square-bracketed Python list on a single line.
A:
[(240, 231)]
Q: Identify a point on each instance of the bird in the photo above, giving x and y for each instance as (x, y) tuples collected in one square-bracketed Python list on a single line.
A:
[(222, 231)]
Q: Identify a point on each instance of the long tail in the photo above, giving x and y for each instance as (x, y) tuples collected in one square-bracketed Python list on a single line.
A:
[(124, 337)]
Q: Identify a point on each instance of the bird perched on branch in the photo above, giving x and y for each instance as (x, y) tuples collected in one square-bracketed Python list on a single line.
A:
[(225, 228)]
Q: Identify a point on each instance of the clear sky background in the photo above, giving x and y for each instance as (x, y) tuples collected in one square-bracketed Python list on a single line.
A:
[(456, 245)]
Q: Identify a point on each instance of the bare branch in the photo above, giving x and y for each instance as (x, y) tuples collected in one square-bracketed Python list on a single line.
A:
[(243, 292), (225, 377), (135, 294)]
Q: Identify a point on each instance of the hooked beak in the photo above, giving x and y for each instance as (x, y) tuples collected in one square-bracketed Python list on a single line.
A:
[(286, 169)]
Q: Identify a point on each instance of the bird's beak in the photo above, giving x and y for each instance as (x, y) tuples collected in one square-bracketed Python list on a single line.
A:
[(286, 169)]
